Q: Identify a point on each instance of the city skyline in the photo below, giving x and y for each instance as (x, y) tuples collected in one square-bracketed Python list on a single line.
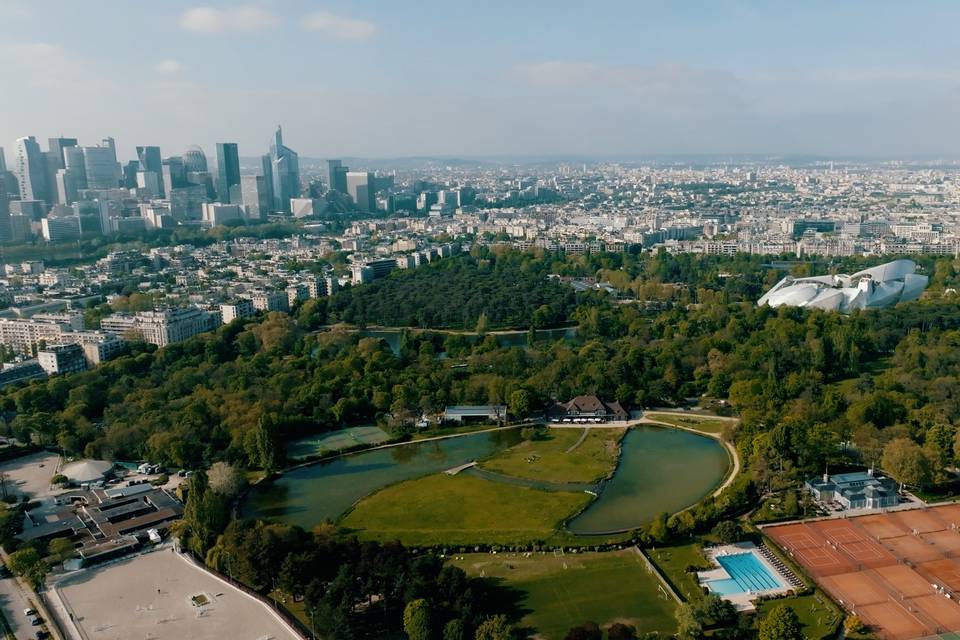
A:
[(624, 79)]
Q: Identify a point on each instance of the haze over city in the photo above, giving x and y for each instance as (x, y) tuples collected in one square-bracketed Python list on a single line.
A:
[(386, 79)]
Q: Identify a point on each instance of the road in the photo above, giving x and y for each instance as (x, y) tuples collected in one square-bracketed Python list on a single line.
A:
[(13, 600)]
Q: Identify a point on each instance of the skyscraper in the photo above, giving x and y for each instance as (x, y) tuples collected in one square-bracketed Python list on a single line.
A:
[(337, 176), (285, 167), (266, 170), (256, 196), (194, 160), (74, 162), (100, 164), (58, 147), (173, 174), (31, 169), (151, 162), (360, 186), (228, 172), (3, 161)]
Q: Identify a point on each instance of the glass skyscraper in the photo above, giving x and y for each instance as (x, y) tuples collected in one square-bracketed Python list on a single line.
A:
[(228, 172), (285, 167)]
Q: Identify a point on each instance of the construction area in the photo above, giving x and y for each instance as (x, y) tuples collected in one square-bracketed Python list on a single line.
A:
[(898, 571)]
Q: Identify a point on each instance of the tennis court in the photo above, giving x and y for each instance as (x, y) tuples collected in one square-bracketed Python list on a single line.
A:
[(899, 572)]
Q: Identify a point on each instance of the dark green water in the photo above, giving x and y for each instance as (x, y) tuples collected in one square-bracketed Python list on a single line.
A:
[(661, 470), (309, 495)]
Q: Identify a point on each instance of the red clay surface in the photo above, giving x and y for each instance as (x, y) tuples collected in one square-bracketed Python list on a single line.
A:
[(900, 572)]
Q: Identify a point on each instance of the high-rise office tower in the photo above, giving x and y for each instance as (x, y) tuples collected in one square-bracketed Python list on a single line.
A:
[(173, 174), (266, 170), (74, 162), (67, 192), (256, 196), (195, 160), (228, 172), (31, 169), (100, 164), (151, 162), (360, 186), (58, 147), (285, 168), (3, 161), (337, 176)]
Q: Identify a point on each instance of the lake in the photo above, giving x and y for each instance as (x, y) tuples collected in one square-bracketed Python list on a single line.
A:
[(660, 470), (309, 495)]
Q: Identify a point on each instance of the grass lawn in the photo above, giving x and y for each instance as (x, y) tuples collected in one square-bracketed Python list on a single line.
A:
[(673, 563), (818, 615), (700, 423), (562, 592), (460, 510), (546, 457)]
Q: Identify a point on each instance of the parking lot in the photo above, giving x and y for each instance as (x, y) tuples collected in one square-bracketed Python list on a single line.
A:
[(30, 475)]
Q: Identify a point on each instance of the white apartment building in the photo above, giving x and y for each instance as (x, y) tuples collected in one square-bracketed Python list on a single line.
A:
[(161, 327)]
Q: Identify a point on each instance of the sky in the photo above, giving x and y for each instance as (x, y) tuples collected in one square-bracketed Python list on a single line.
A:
[(384, 78)]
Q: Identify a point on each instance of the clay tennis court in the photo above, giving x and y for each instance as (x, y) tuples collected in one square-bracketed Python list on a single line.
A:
[(899, 572)]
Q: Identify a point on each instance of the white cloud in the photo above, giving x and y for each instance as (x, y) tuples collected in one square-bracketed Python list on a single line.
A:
[(339, 27), (211, 20), (168, 67)]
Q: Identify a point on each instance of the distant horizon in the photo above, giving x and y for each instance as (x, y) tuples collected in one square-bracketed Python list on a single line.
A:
[(543, 79)]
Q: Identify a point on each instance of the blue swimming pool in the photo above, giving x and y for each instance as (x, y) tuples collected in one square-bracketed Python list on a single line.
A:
[(747, 573)]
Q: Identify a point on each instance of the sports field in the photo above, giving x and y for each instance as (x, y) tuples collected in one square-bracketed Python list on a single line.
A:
[(899, 571), (562, 591)]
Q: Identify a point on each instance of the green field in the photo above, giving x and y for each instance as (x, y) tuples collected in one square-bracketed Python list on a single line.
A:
[(818, 615), (692, 421), (441, 509), (561, 592), (546, 457), (673, 563)]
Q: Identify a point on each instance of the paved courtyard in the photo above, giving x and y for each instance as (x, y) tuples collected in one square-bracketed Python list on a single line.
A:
[(150, 596), (31, 474)]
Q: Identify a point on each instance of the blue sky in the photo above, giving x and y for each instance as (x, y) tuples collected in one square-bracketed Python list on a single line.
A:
[(529, 77)]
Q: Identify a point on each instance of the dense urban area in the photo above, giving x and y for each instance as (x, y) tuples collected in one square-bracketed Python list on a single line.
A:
[(458, 399)]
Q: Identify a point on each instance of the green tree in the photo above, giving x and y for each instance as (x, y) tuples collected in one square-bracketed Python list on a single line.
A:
[(585, 631), (482, 324), (62, 549), (520, 404), (689, 624), (416, 619), (727, 531), (495, 628), (906, 461), (620, 631), (781, 623), (28, 564), (455, 630)]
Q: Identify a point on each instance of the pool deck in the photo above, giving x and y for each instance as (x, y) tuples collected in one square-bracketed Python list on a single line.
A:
[(742, 601)]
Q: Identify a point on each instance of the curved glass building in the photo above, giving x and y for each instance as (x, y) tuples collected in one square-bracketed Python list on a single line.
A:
[(881, 286)]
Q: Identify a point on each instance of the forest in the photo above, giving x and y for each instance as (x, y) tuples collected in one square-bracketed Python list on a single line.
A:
[(802, 381)]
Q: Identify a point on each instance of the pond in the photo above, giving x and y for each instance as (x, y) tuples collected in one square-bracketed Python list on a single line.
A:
[(309, 495), (660, 470)]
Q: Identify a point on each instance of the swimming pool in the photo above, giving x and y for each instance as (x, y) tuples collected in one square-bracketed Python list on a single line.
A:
[(747, 573)]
